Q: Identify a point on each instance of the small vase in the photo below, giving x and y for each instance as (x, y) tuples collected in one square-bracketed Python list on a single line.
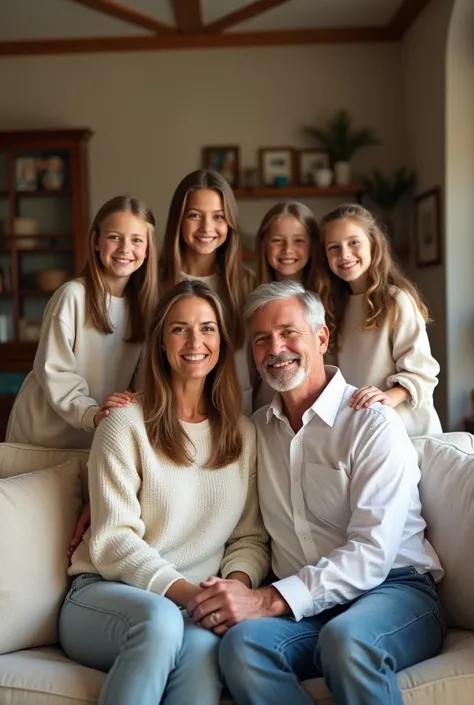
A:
[(323, 177), (343, 173)]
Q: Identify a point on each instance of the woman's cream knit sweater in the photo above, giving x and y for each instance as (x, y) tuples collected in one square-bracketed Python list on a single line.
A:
[(153, 523)]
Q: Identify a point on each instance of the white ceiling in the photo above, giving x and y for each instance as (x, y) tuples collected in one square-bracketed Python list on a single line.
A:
[(55, 19)]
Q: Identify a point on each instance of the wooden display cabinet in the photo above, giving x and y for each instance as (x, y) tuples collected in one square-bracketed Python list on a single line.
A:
[(43, 225)]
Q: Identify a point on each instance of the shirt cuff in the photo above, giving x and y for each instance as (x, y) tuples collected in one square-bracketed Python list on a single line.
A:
[(88, 418), (297, 596), (162, 582)]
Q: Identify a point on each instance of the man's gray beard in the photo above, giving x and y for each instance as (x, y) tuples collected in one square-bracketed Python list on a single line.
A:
[(281, 384)]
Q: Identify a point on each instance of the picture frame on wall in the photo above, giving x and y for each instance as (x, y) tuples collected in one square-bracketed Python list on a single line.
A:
[(225, 160), (309, 162), (428, 230), (277, 166)]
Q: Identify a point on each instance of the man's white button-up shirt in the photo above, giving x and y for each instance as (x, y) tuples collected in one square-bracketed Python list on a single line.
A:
[(339, 499)]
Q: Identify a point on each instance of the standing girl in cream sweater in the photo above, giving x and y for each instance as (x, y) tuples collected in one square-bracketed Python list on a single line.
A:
[(376, 319), (172, 484), (92, 333), (202, 242)]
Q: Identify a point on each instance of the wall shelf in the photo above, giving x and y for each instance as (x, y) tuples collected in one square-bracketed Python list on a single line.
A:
[(354, 190)]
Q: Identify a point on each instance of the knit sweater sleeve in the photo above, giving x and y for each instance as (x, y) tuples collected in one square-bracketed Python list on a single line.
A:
[(416, 368), (247, 549), (55, 364), (117, 546)]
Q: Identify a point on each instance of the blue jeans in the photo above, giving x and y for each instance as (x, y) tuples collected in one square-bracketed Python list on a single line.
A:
[(357, 647), (152, 652)]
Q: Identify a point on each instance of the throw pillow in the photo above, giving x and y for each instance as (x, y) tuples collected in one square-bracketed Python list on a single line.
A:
[(38, 513)]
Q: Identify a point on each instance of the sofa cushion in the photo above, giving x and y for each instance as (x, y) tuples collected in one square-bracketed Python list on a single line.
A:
[(38, 513), (459, 439), (447, 496), (17, 458)]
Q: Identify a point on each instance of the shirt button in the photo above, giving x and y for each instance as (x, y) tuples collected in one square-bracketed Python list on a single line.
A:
[(305, 538), (297, 443)]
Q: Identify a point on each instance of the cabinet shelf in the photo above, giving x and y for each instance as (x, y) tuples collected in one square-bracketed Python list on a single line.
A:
[(34, 292), (298, 192), (39, 193)]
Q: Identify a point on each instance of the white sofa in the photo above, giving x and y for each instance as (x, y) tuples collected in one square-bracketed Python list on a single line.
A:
[(40, 497)]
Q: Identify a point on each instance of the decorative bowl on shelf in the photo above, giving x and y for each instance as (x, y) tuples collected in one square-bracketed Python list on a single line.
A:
[(23, 231), (51, 279)]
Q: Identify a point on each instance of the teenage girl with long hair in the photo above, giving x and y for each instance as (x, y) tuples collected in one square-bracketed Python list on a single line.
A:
[(377, 320), (92, 333), (202, 242)]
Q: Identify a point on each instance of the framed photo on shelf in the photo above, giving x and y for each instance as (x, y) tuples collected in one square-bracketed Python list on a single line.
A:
[(277, 166), (428, 229), (26, 174), (225, 160), (309, 162)]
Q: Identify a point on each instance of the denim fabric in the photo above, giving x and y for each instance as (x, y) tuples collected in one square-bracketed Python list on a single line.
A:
[(357, 647), (150, 649)]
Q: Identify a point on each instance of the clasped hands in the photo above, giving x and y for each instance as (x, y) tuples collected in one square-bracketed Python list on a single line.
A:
[(225, 602)]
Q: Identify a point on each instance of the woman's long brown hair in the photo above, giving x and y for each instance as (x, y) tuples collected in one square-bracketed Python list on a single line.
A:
[(234, 280), (383, 274), (304, 215), (221, 389)]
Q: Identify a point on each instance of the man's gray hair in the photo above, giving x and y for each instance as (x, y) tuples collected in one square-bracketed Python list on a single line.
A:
[(274, 291)]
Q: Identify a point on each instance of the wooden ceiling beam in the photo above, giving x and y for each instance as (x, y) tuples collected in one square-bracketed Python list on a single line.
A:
[(127, 14), (195, 41), (188, 16), (245, 13), (405, 16)]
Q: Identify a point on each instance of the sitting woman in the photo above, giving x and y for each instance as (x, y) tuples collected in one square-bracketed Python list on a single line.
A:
[(172, 484)]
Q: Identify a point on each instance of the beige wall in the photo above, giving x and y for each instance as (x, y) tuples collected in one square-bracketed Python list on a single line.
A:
[(152, 112), (423, 59), (460, 209)]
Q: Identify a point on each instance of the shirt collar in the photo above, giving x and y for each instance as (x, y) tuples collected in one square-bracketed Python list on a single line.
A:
[(326, 405)]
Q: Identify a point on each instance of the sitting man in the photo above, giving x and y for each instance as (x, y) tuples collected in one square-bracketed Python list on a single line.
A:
[(354, 598)]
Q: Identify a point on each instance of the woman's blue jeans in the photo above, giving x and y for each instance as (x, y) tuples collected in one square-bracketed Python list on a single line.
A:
[(151, 651), (357, 648)]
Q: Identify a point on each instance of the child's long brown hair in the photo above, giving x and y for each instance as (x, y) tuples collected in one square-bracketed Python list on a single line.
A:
[(304, 215), (234, 280), (141, 290), (383, 273)]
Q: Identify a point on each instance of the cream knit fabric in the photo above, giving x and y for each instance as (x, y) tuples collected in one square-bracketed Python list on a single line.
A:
[(387, 357), (75, 367), (154, 523)]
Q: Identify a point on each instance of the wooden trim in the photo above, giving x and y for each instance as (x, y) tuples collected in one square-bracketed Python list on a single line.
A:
[(335, 35), (30, 139), (188, 16), (298, 192), (405, 16), (127, 14), (245, 13)]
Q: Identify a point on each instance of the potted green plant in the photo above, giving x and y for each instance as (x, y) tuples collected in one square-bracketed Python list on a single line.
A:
[(341, 142), (386, 191)]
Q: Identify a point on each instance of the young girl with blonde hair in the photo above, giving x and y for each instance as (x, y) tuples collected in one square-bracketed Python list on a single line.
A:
[(202, 242), (377, 320), (92, 333), (286, 245)]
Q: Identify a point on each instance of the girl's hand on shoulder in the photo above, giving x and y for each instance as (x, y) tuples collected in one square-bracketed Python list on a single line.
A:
[(366, 396), (116, 399)]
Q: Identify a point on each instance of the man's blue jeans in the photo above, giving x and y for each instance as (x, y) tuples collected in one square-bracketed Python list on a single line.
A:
[(152, 652), (357, 647)]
